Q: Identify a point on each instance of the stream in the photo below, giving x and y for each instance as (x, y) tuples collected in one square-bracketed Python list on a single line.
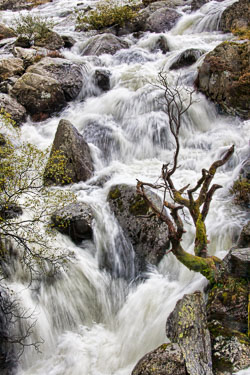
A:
[(90, 322)]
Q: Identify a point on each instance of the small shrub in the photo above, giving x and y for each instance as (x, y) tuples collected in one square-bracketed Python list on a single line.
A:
[(32, 27), (107, 13), (241, 191)]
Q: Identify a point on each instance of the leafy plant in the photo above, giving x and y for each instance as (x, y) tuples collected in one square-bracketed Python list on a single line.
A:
[(107, 13), (32, 27), (26, 204)]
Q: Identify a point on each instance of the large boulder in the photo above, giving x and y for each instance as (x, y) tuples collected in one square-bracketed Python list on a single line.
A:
[(228, 303), (187, 327), (238, 262), (161, 20), (6, 32), (75, 221), (235, 16), (10, 67), (51, 40), (230, 349), (68, 74), (147, 233), (105, 43), (71, 144), (167, 359), (224, 77), (41, 96), (186, 58), (11, 106)]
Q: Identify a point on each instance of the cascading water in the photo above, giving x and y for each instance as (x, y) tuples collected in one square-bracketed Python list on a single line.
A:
[(95, 322)]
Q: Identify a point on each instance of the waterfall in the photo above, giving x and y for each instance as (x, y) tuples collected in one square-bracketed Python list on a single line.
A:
[(96, 320)]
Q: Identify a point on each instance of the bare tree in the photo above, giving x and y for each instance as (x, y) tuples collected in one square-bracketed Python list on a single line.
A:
[(196, 199)]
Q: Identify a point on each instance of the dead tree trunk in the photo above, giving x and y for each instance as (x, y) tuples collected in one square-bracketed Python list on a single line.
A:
[(198, 208)]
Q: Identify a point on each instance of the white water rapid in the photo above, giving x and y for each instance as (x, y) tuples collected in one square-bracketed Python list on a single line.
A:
[(92, 323)]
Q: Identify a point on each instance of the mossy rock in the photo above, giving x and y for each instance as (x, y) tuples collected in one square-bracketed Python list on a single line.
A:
[(230, 348), (228, 303), (147, 234)]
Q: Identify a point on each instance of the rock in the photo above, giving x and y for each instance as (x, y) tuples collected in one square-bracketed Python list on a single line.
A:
[(228, 303), (11, 211), (28, 55), (238, 262), (105, 43), (51, 41), (148, 235), (10, 67), (6, 86), (161, 20), (68, 74), (235, 16), (79, 166), (187, 327), (186, 58), (41, 96), (167, 359), (23, 41), (244, 239), (6, 32), (161, 44), (224, 77), (197, 4), (74, 220), (15, 109), (230, 349), (102, 79), (68, 41)]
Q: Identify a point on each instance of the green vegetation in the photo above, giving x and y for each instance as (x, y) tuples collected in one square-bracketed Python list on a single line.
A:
[(241, 191), (107, 13), (32, 27), (242, 32), (26, 204)]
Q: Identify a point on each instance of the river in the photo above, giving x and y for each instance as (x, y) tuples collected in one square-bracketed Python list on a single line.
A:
[(90, 322)]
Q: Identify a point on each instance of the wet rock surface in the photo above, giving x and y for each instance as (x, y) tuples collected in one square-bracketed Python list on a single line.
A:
[(187, 327), (228, 303), (51, 41), (6, 32), (75, 221), (224, 77), (105, 43), (10, 67), (162, 19), (11, 106), (102, 79), (148, 235), (167, 359), (235, 16), (186, 58), (71, 144), (40, 95), (244, 239), (67, 74)]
